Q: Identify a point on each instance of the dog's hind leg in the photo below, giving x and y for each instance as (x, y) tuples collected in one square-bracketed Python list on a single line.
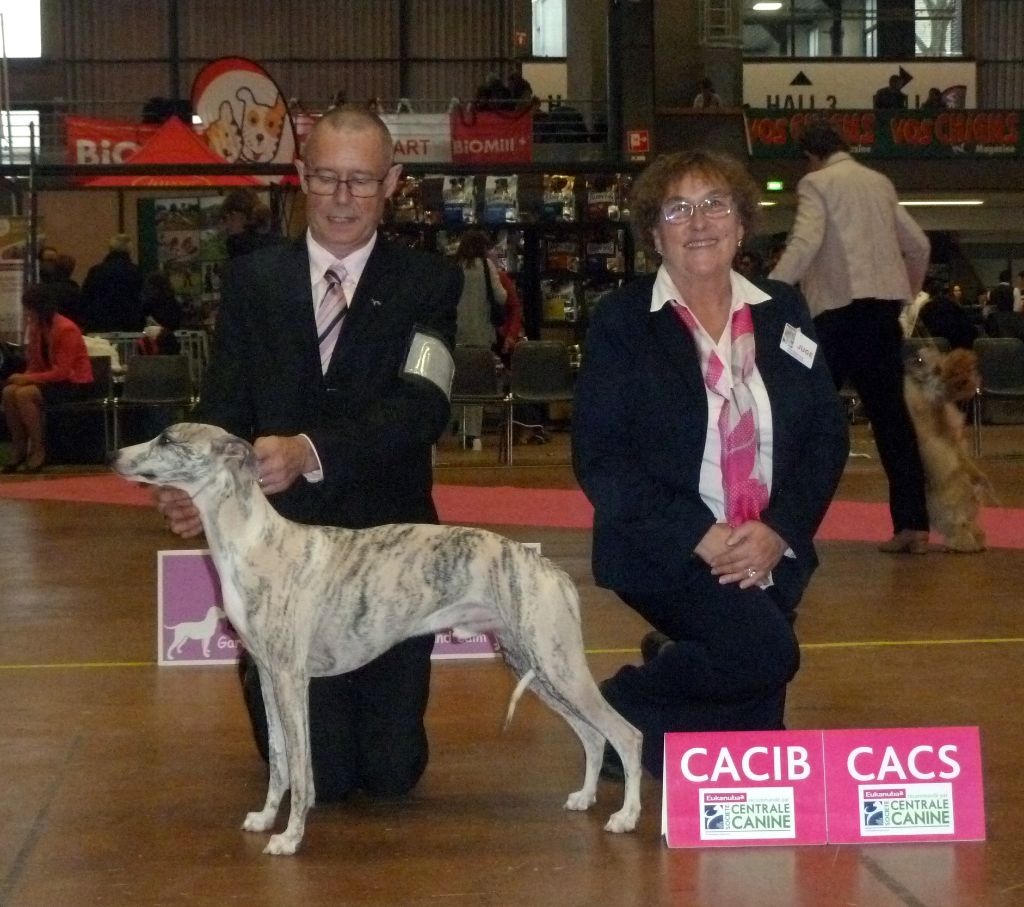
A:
[(572, 693)]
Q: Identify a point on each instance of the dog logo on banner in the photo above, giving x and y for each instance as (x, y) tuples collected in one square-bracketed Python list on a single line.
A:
[(245, 118)]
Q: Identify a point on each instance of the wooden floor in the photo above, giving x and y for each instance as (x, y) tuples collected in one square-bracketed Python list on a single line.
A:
[(125, 784)]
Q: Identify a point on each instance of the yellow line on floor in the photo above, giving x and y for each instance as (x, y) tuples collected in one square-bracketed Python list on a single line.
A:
[(865, 644), (80, 664)]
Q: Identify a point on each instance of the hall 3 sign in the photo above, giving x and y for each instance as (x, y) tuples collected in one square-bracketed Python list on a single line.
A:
[(816, 787)]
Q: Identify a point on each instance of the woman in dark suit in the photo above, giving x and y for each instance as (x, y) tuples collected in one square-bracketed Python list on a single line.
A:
[(708, 435)]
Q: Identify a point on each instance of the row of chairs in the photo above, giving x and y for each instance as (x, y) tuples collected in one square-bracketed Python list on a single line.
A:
[(150, 382), (1000, 395), (540, 372), (195, 346)]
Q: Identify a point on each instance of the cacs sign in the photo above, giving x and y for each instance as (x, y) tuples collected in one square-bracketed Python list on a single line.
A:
[(904, 784)]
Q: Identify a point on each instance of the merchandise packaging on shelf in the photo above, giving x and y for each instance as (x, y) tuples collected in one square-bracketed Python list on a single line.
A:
[(459, 197), (501, 200), (559, 200)]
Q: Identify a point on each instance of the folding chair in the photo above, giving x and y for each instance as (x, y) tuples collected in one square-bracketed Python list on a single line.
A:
[(478, 382), (100, 398), (1001, 366), (156, 383), (541, 373)]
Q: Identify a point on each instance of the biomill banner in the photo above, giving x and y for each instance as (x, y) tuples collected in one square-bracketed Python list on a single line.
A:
[(245, 118), (490, 137)]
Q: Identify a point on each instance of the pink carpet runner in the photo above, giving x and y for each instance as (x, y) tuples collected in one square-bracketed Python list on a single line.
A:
[(559, 508)]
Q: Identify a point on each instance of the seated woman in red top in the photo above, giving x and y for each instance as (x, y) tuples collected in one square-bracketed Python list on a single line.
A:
[(58, 370)]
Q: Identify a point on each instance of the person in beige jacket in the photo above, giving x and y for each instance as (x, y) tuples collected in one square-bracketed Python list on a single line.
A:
[(858, 256)]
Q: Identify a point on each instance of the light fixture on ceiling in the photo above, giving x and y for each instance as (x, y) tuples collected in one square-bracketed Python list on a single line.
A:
[(943, 203), (767, 6)]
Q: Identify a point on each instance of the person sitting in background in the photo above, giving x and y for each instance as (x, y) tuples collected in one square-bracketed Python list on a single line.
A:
[(1001, 320), (710, 450), (110, 293), (57, 370), (942, 317), (163, 316), (749, 264), (891, 97), (246, 221), (68, 292), (706, 96), (933, 101)]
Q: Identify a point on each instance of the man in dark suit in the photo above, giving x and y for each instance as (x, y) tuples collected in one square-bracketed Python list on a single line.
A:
[(342, 432)]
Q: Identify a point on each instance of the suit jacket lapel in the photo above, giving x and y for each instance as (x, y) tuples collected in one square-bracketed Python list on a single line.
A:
[(674, 345), (295, 317)]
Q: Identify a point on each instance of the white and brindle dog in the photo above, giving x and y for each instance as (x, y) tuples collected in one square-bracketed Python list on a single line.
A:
[(310, 601)]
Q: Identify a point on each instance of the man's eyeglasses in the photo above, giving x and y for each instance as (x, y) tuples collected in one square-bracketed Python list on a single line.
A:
[(677, 211), (323, 182)]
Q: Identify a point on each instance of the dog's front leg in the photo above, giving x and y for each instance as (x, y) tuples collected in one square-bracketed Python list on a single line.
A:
[(263, 820), (292, 693)]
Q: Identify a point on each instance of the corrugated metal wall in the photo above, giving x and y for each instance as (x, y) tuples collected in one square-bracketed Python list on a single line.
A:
[(118, 49), (1000, 47)]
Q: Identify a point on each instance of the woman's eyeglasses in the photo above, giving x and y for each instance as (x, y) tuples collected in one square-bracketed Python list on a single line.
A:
[(677, 211)]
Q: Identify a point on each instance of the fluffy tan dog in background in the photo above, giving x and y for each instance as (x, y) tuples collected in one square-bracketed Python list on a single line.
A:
[(933, 384)]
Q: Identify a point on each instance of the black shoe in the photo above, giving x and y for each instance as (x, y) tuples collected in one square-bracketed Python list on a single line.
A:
[(652, 644), (611, 765), (10, 468)]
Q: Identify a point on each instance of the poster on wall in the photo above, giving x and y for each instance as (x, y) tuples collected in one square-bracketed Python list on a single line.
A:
[(245, 117), (14, 240), (183, 239)]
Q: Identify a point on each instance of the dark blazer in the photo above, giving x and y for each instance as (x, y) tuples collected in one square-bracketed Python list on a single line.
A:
[(639, 426), (372, 428)]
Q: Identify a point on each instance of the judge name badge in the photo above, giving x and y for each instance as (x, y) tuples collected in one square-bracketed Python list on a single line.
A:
[(798, 345)]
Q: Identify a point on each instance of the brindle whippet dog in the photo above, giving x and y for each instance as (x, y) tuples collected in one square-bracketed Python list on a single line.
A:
[(294, 595)]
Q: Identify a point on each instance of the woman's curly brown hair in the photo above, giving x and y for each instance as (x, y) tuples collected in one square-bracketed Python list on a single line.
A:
[(652, 185)]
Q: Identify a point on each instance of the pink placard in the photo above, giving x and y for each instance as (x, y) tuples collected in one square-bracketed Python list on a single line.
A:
[(191, 626), (742, 788), (904, 784), (447, 645)]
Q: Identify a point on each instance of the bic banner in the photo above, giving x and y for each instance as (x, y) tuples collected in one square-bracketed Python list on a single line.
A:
[(93, 141), (963, 134), (490, 137)]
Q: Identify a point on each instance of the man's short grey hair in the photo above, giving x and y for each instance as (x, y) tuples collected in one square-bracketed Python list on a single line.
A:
[(354, 117), (120, 242)]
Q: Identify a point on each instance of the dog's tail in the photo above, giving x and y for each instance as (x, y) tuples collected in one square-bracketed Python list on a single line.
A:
[(517, 693)]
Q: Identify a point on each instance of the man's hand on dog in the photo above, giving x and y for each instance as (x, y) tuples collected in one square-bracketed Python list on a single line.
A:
[(280, 461), (178, 511)]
